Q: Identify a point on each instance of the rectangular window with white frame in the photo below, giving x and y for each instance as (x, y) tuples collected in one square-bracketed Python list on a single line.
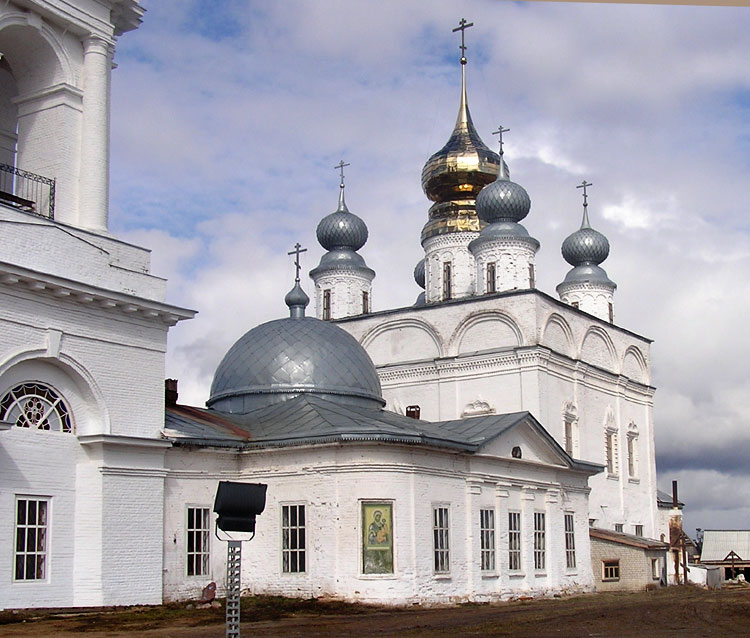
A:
[(32, 538), (440, 540), (638, 530), (198, 532), (514, 541), (570, 541), (293, 539), (487, 539), (540, 552)]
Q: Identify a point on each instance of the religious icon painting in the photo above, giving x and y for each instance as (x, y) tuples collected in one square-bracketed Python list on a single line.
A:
[(377, 538)]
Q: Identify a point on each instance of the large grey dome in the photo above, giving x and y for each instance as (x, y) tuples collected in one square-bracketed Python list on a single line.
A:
[(281, 359)]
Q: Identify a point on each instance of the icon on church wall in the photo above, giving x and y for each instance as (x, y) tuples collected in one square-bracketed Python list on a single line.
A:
[(377, 541)]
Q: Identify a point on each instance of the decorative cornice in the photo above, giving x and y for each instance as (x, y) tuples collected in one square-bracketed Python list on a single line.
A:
[(61, 288)]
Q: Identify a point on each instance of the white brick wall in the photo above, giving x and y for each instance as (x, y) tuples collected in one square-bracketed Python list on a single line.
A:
[(332, 482), (526, 351)]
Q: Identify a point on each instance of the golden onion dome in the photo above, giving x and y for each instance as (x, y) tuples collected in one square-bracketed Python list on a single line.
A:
[(453, 177)]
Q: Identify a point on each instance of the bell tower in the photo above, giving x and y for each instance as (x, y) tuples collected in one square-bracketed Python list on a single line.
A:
[(55, 72)]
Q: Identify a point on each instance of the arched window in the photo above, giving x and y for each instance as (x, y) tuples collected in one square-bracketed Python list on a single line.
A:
[(34, 405)]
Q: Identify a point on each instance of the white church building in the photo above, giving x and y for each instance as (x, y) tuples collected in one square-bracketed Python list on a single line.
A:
[(458, 449)]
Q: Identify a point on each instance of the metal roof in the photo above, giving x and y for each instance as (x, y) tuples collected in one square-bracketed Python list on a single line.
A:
[(626, 539), (664, 499), (309, 419), (718, 543)]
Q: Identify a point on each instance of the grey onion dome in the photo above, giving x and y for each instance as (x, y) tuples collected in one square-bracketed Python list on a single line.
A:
[(297, 301), (342, 229), (342, 234), (503, 201), (282, 359), (586, 246), (419, 273)]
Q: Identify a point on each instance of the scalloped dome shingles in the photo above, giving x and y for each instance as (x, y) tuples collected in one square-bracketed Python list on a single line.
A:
[(283, 358)]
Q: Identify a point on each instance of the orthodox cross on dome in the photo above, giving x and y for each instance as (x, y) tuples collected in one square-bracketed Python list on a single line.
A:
[(297, 251), (499, 132), (462, 26), (341, 166), (584, 184)]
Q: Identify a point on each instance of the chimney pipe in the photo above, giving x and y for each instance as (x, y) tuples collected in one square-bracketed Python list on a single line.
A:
[(170, 391)]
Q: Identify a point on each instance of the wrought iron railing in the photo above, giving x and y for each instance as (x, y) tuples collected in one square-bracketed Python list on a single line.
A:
[(27, 191)]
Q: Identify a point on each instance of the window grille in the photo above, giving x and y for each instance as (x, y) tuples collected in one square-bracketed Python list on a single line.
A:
[(611, 570), (491, 277), (198, 535), (293, 541), (618, 527), (638, 530), (514, 541), (447, 287), (539, 541), (34, 405), (326, 305), (610, 450), (570, 542), (487, 539), (32, 525), (440, 540)]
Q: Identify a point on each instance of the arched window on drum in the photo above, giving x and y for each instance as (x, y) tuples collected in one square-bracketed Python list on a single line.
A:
[(35, 405)]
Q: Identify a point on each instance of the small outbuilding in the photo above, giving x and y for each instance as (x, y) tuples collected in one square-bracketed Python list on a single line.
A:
[(729, 549), (626, 562)]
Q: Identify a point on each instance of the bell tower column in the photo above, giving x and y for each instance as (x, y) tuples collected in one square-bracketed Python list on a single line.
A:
[(94, 182)]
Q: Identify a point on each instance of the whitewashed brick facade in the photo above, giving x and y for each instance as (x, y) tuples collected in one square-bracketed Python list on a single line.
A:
[(333, 481), (528, 351)]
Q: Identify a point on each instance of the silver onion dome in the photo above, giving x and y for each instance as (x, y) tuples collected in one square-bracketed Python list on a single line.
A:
[(342, 229), (585, 249), (342, 234), (419, 273), (586, 246), (501, 205), (281, 359), (503, 201)]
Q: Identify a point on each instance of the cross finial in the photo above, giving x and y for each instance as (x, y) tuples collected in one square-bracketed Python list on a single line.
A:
[(462, 26), (584, 184), (499, 132), (297, 251), (341, 166)]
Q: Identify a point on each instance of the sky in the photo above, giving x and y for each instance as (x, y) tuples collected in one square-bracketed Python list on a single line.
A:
[(229, 116)]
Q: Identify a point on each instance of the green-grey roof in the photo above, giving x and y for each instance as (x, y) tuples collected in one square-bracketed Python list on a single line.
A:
[(308, 420)]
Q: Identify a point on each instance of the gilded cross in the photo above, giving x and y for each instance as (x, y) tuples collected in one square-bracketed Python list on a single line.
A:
[(297, 250), (462, 26), (499, 132), (584, 184)]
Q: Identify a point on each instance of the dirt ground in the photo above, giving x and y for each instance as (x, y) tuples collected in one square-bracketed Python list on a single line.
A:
[(676, 611)]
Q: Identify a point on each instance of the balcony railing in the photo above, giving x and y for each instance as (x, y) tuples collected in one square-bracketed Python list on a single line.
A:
[(27, 191)]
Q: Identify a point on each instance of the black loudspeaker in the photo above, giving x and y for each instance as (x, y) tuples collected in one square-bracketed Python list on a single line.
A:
[(237, 505)]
